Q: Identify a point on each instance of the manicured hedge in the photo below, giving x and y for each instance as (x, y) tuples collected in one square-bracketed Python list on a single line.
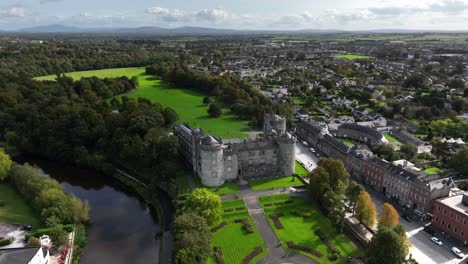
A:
[(275, 218), (5, 242), (46, 231), (305, 249), (246, 225), (218, 227), (218, 253), (257, 251)]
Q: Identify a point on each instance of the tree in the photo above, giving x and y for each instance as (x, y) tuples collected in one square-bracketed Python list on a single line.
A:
[(5, 164), (352, 192), (58, 236), (192, 239), (206, 100), (214, 110), (365, 209), (409, 151), (386, 247), (388, 216), (170, 116), (459, 161), (206, 204)]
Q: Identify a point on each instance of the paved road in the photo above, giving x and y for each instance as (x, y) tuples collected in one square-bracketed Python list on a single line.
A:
[(304, 155), (423, 249)]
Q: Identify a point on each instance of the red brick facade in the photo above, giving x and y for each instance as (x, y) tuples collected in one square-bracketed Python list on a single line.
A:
[(451, 221)]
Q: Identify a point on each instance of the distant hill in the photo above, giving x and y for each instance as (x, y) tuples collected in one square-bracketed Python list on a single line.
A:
[(187, 30)]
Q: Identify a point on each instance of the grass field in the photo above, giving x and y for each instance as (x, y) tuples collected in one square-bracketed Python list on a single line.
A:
[(267, 184), (354, 57), (301, 230), (432, 170), (15, 210), (235, 243), (300, 170), (187, 103), (390, 138), (348, 142), (227, 188)]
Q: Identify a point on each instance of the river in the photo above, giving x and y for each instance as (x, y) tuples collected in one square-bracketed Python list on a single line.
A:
[(122, 227)]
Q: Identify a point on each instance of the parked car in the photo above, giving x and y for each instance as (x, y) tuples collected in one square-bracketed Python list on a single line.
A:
[(430, 230), (317, 155), (407, 218), (312, 150), (458, 252), (437, 241), (305, 143)]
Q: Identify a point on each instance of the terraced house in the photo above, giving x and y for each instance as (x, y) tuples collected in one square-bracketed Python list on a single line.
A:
[(406, 185)]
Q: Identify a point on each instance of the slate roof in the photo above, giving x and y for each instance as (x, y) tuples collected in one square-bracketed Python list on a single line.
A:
[(17, 255), (336, 143)]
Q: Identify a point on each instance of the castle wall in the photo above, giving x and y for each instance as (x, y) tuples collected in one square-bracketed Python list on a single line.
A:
[(287, 157), (231, 165)]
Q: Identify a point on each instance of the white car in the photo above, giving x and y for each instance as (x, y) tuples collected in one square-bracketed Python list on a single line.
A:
[(305, 143), (458, 252), (437, 241), (312, 150)]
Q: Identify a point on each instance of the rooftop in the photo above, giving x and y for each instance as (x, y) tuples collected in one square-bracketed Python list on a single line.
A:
[(17, 255), (455, 202)]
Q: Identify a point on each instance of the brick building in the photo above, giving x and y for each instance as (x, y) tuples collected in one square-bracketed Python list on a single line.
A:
[(451, 216)]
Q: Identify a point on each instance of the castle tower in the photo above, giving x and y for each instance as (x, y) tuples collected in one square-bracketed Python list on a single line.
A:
[(274, 122), (286, 154), (197, 134), (211, 170)]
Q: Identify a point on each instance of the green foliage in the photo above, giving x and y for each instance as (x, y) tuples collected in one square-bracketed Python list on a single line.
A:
[(459, 161), (214, 110), (58, 235), (365, 209), (192, 239), (267, 184), (5, 164), (449, 128), (80, 236), (16, 208), (386, 247), (5, 242), (354, 57), (48, 197), (300, 170), (352, 192), (34, 242), (206, 204)]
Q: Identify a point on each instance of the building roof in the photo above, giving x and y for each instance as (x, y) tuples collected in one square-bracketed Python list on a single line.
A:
[(407, 137), (336, 143), (310, 127), (210, 141), (17, 255), (376, 135), (455, 202)]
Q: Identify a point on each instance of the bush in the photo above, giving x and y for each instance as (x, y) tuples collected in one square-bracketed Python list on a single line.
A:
[(333, 257), (252, 255), (34, 242), (45, 231), (275, 218), (218, 253), (305, 249), (5, 242), (80, 236), (218, 227), (2, 203)]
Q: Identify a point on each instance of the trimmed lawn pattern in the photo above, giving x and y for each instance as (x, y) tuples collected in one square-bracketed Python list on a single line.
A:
[(390, 138), (432, 170), (187, 103), (301, 230), (267, 184), (235, 243), (15, 209), (354, 57), (227, 188), (300, 170)]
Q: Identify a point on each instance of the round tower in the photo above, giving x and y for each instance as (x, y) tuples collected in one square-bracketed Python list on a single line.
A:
[(278, 123), (287, 154), (211, 169)]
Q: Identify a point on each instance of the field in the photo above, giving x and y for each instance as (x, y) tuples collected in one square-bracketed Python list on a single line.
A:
[(432, 170), (300, 170), (354, 57), (267, 184), (348, 142), (15, 210), (301, 230), (187, 103), (227, 188), (390, 138), (235, 243)]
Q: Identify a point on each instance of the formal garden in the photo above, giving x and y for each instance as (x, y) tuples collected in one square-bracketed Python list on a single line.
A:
[(226, 188), (301, 227), (236, 239)]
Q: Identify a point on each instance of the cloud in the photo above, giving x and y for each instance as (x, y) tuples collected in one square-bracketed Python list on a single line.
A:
[(14, 11), (48, 1), (449, 6), (177, 15)]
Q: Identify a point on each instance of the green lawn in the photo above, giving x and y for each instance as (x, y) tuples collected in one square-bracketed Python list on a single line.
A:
[(354, 57), (390, 138), (15, 209), (300, 170), (227, 188), (301, 230), (187, 103), (432, 170), (235, 243), (348, 142), (276, 183)]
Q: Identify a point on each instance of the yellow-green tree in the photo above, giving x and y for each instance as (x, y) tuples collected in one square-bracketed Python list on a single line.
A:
[(365, 209), (5, 164), (389, 216), (206, 204)]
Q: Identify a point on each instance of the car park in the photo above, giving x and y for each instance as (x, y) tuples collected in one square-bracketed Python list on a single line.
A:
[(458, 252), (437, 241)]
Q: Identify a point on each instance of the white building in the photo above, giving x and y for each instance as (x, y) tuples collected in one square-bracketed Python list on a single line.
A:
[(29, 255)]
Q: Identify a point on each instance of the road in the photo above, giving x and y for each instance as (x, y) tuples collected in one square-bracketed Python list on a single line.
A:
[(304, 155), (423, 249)]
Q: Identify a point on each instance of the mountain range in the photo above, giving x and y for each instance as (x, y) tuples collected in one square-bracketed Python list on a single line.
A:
[(187, 30)]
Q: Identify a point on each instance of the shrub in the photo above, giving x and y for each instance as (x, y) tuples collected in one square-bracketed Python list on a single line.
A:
[(303, 248), (218, 253), (80, 236), (252, 255), (240, 208), (333, 257), (45, 231), (6, 242), (218, 227), (228, 210), (2, 203), (275, 218)]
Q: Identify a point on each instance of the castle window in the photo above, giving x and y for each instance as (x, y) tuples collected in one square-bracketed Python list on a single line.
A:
[(229, 158), (262, 152), (461, 233), (229, 169)]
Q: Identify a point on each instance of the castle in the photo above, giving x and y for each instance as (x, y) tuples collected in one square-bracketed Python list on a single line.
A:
[(216, 161)]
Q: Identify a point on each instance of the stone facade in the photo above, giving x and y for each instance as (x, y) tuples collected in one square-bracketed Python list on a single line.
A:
[(216, 161)]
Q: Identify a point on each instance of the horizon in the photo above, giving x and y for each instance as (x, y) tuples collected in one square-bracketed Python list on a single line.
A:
[(360, 15)]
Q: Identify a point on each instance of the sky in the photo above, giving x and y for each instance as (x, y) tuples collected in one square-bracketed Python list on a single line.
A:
[(239, 14)]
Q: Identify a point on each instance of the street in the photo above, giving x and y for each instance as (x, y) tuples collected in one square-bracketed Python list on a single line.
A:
[(423, 250), (307, 158)]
